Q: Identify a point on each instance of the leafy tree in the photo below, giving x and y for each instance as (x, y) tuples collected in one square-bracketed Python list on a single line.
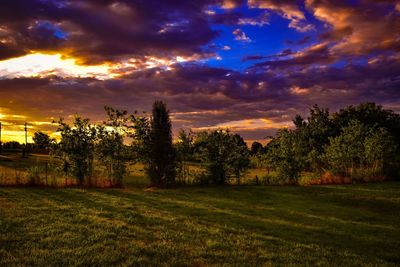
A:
[(240, 157), (77, 146), (299, 122), (110, 148), (12, 145), (139, 130), (320, 128), (224, 154), (343, 143), (346, 151), (371, 115), (185, 149), (256, 148), (284, 154), (42, 140), (313, 135), (380, 152)]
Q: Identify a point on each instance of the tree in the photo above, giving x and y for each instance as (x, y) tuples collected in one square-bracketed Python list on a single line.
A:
[(371, 115), (42, 140), (346, 151), (380, 152), (77, 146), (161, 161), (184, 149), (110, 148), (224, 154), (240, 157), (256, 148), (284, 153), (313, 134)]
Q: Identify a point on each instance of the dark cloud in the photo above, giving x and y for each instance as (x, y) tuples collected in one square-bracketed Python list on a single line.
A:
[(302, 41), (226, 18), (367, 27), (317, 54), (106, 30), (284, 53), (201, 96), (9, 52), (354, 57), (353, 31)]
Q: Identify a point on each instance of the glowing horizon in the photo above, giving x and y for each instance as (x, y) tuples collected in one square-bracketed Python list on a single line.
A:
[(42, 65), (216, 64)]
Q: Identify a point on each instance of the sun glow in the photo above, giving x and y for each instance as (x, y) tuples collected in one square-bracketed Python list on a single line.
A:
[(41, 65), (44, 65), (248, 125)]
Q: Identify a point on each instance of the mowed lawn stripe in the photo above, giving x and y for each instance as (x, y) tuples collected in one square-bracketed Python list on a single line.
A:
[(204, 226)]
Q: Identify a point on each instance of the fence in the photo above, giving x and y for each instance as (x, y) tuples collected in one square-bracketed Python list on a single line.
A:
[(43, 170)]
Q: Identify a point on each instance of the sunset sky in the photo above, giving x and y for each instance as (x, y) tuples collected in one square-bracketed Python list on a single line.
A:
[(247, 65)]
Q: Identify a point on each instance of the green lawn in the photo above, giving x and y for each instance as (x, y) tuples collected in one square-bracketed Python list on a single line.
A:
[(234, 225)]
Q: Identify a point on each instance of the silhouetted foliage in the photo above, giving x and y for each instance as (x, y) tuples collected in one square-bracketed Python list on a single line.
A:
[(354, 144), (223, 153), (313, 136), (42, 140), (110, 148), (256, 147), (12, 145), (77, 146), (153, 142), (371, 115)]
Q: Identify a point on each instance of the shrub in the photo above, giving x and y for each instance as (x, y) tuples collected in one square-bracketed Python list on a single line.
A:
[(35, 174)]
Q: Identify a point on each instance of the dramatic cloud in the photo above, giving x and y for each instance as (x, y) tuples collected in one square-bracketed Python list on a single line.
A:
[(288, 9), (60, 58), (97, 31), (371, 26)]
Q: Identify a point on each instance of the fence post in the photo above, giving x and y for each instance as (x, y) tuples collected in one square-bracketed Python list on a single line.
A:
[(25, 149)]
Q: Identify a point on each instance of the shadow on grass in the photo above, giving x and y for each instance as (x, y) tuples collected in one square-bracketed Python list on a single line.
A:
[(228, 219)]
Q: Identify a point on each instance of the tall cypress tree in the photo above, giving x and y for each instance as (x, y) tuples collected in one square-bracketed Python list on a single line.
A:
[(162, 160)]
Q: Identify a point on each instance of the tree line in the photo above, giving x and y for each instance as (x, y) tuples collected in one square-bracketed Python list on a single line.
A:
[(125, 138), (357, 142)]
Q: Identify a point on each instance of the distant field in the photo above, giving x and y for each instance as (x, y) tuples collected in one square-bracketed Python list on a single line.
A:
[(12, 165), (248, 225)]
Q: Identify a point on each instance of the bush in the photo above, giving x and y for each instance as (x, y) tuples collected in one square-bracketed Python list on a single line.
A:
[(35, 175)]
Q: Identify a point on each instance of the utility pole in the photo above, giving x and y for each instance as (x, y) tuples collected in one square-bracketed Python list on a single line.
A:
[(25, 149), (26, 134), (0, 140)]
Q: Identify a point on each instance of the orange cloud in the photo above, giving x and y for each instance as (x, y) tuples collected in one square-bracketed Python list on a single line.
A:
[(358, 30), (288, 9)]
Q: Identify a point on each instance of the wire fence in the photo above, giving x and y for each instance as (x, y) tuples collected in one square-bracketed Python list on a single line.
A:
[(43, 170)]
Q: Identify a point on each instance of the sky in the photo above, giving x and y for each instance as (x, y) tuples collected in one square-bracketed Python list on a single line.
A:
[(250, 66)]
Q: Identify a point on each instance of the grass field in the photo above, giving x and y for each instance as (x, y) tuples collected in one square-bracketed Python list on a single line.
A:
[(353, 225)]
